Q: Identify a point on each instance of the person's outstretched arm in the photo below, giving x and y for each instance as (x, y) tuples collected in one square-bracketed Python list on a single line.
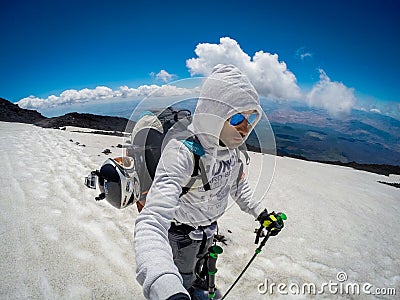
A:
[(155, 269), (242, 195)]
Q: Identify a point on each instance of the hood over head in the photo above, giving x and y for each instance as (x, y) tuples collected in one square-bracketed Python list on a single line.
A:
[(224, 93)]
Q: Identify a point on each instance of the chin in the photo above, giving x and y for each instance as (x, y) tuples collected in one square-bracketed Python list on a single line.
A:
[(234, 143)]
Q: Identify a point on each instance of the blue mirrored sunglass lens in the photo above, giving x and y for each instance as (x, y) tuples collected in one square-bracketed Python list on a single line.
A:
[(252, 118), (239, 118), (236, 119)]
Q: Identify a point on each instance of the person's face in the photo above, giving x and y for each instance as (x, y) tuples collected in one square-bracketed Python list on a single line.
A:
[(233, 136)]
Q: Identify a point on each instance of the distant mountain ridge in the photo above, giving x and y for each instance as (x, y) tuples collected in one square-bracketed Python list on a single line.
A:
[(354, 143), (364, 137), (10, 112), (86, 121)]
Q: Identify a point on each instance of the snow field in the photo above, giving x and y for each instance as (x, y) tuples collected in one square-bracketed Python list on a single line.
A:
[(58, 243)]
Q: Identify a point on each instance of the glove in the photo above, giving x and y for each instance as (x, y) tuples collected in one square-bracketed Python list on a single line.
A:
[(273, 222), (179, 296), (263, 216)]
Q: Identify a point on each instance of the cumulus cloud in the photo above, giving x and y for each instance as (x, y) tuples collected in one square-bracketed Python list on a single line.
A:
[(164, 76), (100, 93), (83, 95), (333, 96), (269, 76)]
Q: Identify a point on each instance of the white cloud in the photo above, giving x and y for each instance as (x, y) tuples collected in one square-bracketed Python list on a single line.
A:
[(164, 76), (333, 96), (125, 91), (83, 95), (100, 93), (171, 90), (375, 110), (302, 54), (270, 77)]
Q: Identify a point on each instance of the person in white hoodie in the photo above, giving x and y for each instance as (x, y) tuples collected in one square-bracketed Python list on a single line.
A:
[(175, 229)]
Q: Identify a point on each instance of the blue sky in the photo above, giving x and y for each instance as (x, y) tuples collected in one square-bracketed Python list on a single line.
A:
[(49, 47)]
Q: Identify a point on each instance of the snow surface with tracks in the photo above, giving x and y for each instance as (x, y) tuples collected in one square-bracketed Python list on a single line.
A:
[(57, 242)]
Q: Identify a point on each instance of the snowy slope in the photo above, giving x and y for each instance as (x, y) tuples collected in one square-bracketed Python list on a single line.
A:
[(58, 243)]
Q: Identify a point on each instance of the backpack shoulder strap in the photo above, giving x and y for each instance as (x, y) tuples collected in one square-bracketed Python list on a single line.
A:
[(193, 144), (241, 168), (186, 189), (242, 148)]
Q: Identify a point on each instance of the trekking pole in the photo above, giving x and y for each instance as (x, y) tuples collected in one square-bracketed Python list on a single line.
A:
[(213, 251), (273, 226)]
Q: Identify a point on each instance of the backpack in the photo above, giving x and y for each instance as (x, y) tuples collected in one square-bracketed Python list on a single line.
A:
[(148, 138)]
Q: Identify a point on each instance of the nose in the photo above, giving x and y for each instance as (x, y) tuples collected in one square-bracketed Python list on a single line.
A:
[(243, 128)]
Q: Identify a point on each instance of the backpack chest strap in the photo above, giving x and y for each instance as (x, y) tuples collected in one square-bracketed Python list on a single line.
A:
[(193, 144)]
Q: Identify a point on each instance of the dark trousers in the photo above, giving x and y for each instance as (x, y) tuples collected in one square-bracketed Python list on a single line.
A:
[(187, 253)]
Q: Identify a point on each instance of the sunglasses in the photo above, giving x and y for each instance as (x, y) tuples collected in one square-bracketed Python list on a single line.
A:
[(238, 119)]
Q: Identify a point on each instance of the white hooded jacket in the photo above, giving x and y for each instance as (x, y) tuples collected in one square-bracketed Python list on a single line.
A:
[(225, 92)]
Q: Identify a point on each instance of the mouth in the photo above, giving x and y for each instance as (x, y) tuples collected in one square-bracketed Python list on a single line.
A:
[(238, 139)]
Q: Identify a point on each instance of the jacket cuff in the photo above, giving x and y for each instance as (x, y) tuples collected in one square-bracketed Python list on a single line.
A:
[(257, 211), (165, 286)]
